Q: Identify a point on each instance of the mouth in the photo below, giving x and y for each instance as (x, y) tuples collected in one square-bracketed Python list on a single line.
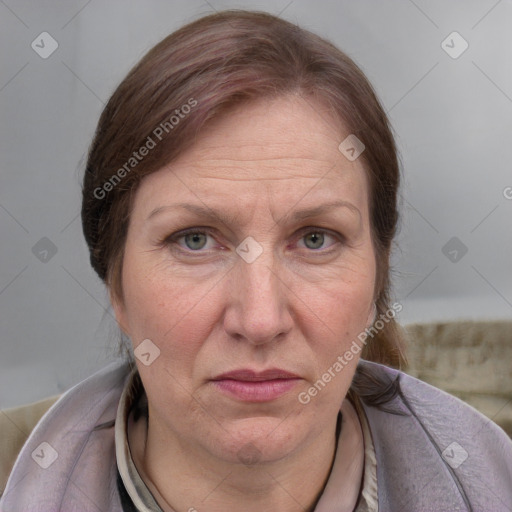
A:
[(251, 386)]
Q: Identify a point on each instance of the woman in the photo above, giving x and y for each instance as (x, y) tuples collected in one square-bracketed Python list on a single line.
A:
[(239, 202)]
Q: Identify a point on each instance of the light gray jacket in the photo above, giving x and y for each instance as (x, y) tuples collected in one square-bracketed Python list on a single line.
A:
[(440, 455)]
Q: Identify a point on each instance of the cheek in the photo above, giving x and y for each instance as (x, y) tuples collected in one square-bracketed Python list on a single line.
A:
[(175, 314), (342, 300), (340, 315)]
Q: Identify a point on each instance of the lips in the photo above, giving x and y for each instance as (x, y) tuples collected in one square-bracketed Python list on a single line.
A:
[(252, 386), (254, 376)]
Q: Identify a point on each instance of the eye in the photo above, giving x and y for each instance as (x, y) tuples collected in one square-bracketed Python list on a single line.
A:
[(315, 239), (192, 240), (200, 240), (195, 241)]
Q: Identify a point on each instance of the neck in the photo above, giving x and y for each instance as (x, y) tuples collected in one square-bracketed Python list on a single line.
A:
[(196, 481)]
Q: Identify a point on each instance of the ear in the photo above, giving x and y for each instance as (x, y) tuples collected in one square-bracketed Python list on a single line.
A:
[(119, 311)]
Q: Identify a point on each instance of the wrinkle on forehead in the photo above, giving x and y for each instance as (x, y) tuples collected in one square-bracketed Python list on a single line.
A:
[(262, 170), (277, 138), (267, 156), (287, 126)]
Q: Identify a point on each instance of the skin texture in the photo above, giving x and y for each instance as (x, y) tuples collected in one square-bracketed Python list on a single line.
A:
[(297, 306)]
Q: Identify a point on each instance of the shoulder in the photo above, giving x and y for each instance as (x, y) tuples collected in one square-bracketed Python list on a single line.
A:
[(16, 424), (437, 409), (77, 426), (427, 435)]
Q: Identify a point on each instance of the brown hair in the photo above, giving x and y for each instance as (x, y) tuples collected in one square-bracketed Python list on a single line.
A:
[(210, 66)]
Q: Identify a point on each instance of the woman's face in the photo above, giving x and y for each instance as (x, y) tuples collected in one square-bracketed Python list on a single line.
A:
[(279, 275)]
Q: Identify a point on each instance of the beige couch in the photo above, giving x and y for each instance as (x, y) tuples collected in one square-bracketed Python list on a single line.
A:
[(471, 360)]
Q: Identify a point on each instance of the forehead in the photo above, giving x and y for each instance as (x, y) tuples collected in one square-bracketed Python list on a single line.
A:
[(284, 148)]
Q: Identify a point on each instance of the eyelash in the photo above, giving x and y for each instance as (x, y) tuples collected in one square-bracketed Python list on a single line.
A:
[(173, 239)]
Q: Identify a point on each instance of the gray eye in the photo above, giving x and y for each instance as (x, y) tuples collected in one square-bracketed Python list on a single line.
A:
[(195, 241), (314, 240)]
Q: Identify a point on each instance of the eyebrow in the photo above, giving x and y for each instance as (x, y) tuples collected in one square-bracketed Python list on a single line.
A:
[(229, 219)]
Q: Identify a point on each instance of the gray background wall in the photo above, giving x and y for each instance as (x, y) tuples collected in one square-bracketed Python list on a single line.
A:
[(452, 117)]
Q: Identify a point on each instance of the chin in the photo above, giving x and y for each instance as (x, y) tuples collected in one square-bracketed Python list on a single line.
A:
[(255, 440)]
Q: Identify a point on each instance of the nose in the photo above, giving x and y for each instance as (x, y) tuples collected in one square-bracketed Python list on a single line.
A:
[(259, 302)]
